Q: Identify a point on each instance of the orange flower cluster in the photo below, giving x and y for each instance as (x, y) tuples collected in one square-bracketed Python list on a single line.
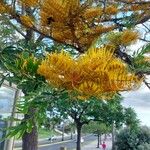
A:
[(74, 22), (111, 10), (30, 3), (27, 21), (125, 38), (2, 8), (5, 8), (70, 22), (96, 73)]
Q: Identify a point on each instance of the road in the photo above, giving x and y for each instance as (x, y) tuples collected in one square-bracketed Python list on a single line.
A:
[(71, 144), (55, 145)]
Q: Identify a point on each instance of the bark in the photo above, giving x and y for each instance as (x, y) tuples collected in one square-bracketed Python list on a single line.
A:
[(78, 137), (98, 140), (105, 136), (113, 136), (30, 140), (63, 130), (71, 136)]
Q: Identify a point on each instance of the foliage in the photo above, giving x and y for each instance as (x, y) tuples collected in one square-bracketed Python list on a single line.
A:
[(20, 67), (77, 23), (8, 35), (37, 102), (131, 118), (133, 139), (86, 111), (114, 112), (124, 38), (73, 23), (96, 128), (144, 146), (141, 59)]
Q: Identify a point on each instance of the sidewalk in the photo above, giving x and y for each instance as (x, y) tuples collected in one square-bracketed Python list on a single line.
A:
[(93, 146)]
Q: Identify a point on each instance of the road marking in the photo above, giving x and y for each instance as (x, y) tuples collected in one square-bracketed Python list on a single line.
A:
[(44, 145)]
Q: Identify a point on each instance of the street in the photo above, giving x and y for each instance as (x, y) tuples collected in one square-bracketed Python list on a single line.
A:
[(71, 144)]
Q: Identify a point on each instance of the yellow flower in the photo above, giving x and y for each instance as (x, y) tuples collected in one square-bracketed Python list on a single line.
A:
[(26, 20), (129, 37), (96, 73), (2, 8), (92, 13), (111, 10), (30, 3)]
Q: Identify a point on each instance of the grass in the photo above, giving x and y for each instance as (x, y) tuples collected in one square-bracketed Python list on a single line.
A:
[(44, 133)]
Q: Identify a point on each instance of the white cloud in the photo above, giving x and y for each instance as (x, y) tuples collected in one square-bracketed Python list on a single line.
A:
[(140, 101)]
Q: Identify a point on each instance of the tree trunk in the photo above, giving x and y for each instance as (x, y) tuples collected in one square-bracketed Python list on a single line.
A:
[(71, 136), (98, 137), (63, 130), (78, 137), (30, 140), (105, 136), (113, 136)]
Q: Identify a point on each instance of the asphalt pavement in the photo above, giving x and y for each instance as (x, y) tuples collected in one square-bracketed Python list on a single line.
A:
[(70, 144)]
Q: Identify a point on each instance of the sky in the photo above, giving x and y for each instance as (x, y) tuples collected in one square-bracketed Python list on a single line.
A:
[(139, 100)]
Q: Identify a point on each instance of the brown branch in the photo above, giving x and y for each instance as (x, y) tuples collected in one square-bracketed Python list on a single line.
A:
[(140, 3), (17, 18), (14, 15), (143, 39), (144, 72), (146, 83), (17, 29), (146, 27), (39, 39), (144, 19)]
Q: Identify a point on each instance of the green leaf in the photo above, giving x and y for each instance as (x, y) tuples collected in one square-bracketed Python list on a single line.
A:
[(25, 54)]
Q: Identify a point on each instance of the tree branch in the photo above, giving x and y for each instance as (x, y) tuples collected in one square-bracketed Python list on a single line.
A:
[(17, 29), (139, 3), (146, 83)]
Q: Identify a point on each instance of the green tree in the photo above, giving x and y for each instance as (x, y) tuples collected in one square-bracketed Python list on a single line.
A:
[(83, 112), (114, 116), (98, 129), (131, 119), (133, 139), (80, 31)]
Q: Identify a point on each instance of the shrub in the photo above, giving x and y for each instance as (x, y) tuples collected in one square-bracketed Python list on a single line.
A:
[(144, 146), (129, 139)]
